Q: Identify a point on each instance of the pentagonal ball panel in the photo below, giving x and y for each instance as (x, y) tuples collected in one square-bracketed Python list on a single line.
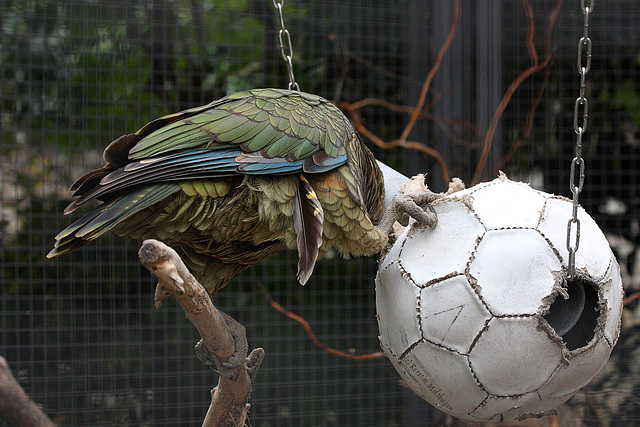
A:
[(428, 370), (452, 314), (513, 269), (508, 204)]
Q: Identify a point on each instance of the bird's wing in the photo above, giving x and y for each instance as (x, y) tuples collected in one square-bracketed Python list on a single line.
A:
[(271, 122), (258, 132)]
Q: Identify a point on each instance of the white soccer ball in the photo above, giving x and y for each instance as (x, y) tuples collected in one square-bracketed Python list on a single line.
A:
[(476, 314)]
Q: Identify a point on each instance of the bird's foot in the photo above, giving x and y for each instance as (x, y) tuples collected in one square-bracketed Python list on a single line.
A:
[(416, 206), (415, 201), (411, 205), (229, 367)]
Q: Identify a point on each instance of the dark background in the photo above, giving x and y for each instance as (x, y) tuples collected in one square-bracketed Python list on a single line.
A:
[(81, 333)]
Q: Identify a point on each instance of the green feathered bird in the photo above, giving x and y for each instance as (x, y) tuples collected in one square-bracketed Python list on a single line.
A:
[(229, 183)]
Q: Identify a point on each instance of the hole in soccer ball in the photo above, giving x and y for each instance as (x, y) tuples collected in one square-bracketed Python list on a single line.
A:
[(575, 318)]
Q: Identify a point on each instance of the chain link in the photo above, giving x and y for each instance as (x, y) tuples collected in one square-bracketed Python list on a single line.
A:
[(580, 116), (286, 49)]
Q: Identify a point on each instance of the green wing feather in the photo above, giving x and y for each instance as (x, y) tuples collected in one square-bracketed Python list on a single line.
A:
[(107, 215), (303, 132), (276, 123)]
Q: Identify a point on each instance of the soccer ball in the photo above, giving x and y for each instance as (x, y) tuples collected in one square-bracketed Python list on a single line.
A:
[(477, 314)]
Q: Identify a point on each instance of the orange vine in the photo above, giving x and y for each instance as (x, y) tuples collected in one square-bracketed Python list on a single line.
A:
[(307, 327), (414, 145), (416, 112), (506, 98), (432, 73)]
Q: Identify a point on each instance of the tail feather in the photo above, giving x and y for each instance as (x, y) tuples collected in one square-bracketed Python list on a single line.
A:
[(308, 218), (106, 216)]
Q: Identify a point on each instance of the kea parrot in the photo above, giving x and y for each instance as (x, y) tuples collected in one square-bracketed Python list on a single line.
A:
[(229, 183)]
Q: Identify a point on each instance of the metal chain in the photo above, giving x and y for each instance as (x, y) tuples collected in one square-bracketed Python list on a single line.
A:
[(286, 48), (579, 127)]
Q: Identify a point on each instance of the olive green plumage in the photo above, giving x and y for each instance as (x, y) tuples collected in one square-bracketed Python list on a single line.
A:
[(232, 182)]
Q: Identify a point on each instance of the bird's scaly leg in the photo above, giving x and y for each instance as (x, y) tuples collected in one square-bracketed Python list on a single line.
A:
[(414, 205), (414, 200), (228, 367)]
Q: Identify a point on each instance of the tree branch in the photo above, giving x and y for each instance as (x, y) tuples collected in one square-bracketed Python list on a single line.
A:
[(16, 408), (230, 398)]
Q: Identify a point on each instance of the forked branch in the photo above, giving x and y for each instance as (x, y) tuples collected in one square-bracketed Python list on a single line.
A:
[(230, 398), (415, 112), (420, 111)]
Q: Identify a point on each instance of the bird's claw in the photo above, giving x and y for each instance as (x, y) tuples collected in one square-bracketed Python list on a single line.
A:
[(417, 206), (204, 355), (229, 367), (411, 205)]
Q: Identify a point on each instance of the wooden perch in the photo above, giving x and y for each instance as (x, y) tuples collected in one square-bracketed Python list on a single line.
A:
[(230, 398), (16, 408)]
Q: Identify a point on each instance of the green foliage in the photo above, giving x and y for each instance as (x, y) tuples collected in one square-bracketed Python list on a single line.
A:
[(97, 67), (82, 329), (627, 98)]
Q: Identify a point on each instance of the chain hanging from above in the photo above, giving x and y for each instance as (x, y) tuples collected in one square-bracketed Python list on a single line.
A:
[(579, 127), (286, 49)]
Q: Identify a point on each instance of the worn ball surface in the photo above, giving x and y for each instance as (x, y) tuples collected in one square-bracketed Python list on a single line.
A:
[(477, 314)]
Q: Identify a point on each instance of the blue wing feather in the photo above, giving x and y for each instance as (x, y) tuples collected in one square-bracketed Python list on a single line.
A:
[(202, 164)]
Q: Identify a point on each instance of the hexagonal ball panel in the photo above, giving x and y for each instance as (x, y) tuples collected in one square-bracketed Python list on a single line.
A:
[(571, 377), (614, 294), (514, 268), (397, 305), (513, 356), (505, 203), (431, 253), (442, 378), (593, 251), (452, 314)]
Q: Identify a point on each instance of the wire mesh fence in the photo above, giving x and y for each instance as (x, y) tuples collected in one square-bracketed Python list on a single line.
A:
[(81, 333)]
